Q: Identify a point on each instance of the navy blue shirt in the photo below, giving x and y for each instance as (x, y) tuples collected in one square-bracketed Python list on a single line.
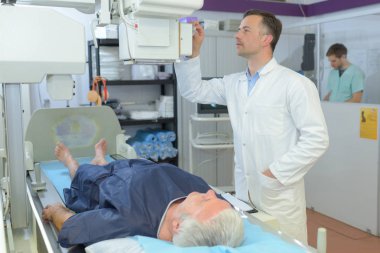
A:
[(123, 198)]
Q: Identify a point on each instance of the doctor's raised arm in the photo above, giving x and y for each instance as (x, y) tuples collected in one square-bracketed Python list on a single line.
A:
[(190, 83), (198, 38)]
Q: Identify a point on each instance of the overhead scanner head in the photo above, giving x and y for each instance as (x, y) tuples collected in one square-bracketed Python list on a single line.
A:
[(150, 31)]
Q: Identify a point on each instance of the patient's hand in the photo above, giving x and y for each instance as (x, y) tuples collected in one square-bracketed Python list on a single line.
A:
[(57, 214), (49, 210)]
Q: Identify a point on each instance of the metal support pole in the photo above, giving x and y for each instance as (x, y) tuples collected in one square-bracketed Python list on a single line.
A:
[(15, 154), (318, 71)]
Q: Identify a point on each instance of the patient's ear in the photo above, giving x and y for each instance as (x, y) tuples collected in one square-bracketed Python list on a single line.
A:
[(175, 226)]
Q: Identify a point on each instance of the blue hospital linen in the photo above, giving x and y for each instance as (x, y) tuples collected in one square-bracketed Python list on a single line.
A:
[(342, 87), (59, 175), (123, 198), (255, 241)]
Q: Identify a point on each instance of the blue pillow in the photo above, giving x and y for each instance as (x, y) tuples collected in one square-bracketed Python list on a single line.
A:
[(255, 240)]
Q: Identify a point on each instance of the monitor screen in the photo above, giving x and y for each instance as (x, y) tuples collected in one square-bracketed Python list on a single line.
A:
[(211, 108)]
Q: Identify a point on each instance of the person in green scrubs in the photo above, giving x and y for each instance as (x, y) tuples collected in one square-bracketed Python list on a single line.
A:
[(346, 80)]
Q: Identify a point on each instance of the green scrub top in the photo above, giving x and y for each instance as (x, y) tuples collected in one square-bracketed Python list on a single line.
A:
[(342, 87)]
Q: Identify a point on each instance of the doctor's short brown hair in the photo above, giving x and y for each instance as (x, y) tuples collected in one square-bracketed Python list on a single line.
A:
[(270, 22), (337, 49)]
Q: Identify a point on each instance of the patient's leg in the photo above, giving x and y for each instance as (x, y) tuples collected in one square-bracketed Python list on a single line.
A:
[(63, 154), (100, 152)]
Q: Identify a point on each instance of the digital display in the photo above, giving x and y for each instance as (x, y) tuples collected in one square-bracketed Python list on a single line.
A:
[(211, 108)]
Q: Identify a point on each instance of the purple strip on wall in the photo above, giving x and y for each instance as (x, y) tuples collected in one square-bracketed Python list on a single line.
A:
[(336, 5), (244, 5), (285, 9)]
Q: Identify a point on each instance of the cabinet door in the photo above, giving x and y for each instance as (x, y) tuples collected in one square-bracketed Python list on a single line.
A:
[(228, 61), (208, 57)]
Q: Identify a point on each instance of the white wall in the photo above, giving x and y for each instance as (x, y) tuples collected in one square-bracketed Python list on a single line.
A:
[(345, 182)]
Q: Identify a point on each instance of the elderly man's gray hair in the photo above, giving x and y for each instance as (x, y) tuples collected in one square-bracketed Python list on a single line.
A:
[(226, 229)]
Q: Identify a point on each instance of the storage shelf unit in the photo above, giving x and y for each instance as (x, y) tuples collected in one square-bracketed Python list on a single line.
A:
[(210, 146), (140, 82), (165, 123), (193, 144), (134, 122)]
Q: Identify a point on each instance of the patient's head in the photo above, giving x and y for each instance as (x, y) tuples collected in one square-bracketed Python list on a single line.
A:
[(207, 220)]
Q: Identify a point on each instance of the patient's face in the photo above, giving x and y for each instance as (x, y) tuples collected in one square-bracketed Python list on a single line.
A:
[(203, 206)]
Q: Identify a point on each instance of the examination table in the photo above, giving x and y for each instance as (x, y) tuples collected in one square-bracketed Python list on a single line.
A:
[(80, 128)]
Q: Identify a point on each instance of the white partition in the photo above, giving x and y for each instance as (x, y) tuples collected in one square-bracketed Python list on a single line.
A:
[(344, 184)]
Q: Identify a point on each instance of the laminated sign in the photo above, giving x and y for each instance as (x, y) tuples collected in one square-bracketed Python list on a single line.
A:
[(368, 123)]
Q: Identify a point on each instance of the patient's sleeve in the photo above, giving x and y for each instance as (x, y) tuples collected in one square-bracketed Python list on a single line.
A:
[(94, 226)]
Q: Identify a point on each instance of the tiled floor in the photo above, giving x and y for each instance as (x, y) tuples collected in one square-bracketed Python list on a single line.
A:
[(341, 238)]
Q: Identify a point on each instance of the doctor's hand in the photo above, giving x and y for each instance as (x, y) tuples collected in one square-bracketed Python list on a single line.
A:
[(268, 173), (198, 38)]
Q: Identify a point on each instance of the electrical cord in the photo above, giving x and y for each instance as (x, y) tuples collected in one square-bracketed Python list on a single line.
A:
[(127, 24), (93, 27), (302, 10)]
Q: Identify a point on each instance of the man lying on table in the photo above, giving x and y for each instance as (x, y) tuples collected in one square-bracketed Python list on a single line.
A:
[(138, 197)]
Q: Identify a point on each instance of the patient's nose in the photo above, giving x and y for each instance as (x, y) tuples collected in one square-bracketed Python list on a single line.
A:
[(210, 194)]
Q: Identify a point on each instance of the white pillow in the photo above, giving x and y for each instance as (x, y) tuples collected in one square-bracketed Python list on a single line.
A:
[(119, 245)]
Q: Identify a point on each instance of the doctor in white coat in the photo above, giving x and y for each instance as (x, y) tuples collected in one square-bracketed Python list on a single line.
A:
[(279, 128)]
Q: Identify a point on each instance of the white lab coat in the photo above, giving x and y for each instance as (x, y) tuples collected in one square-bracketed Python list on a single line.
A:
[(279, 126)]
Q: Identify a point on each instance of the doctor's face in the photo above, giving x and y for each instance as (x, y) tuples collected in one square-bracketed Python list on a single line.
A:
[(250, 36), (335, 62), (203, 206)]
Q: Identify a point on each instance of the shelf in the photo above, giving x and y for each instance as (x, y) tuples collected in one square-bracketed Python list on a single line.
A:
[(134, 122), (209, 119), (172, 160), (105, 42), (139, 82), (211, 146)]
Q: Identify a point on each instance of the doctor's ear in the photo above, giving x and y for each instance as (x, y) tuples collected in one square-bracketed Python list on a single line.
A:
[(267, 39)]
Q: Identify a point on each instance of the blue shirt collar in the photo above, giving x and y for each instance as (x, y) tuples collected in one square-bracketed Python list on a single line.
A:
[(256, 75)]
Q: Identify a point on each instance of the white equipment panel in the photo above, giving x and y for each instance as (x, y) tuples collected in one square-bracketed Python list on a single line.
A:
[(32, 47)]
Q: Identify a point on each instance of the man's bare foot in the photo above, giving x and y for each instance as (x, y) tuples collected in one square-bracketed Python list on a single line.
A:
[(63, 155), (100, 152)]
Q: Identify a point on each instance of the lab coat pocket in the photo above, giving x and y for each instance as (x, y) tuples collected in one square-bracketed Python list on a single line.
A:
[(273, 195), (270, 183), (269, 120)]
